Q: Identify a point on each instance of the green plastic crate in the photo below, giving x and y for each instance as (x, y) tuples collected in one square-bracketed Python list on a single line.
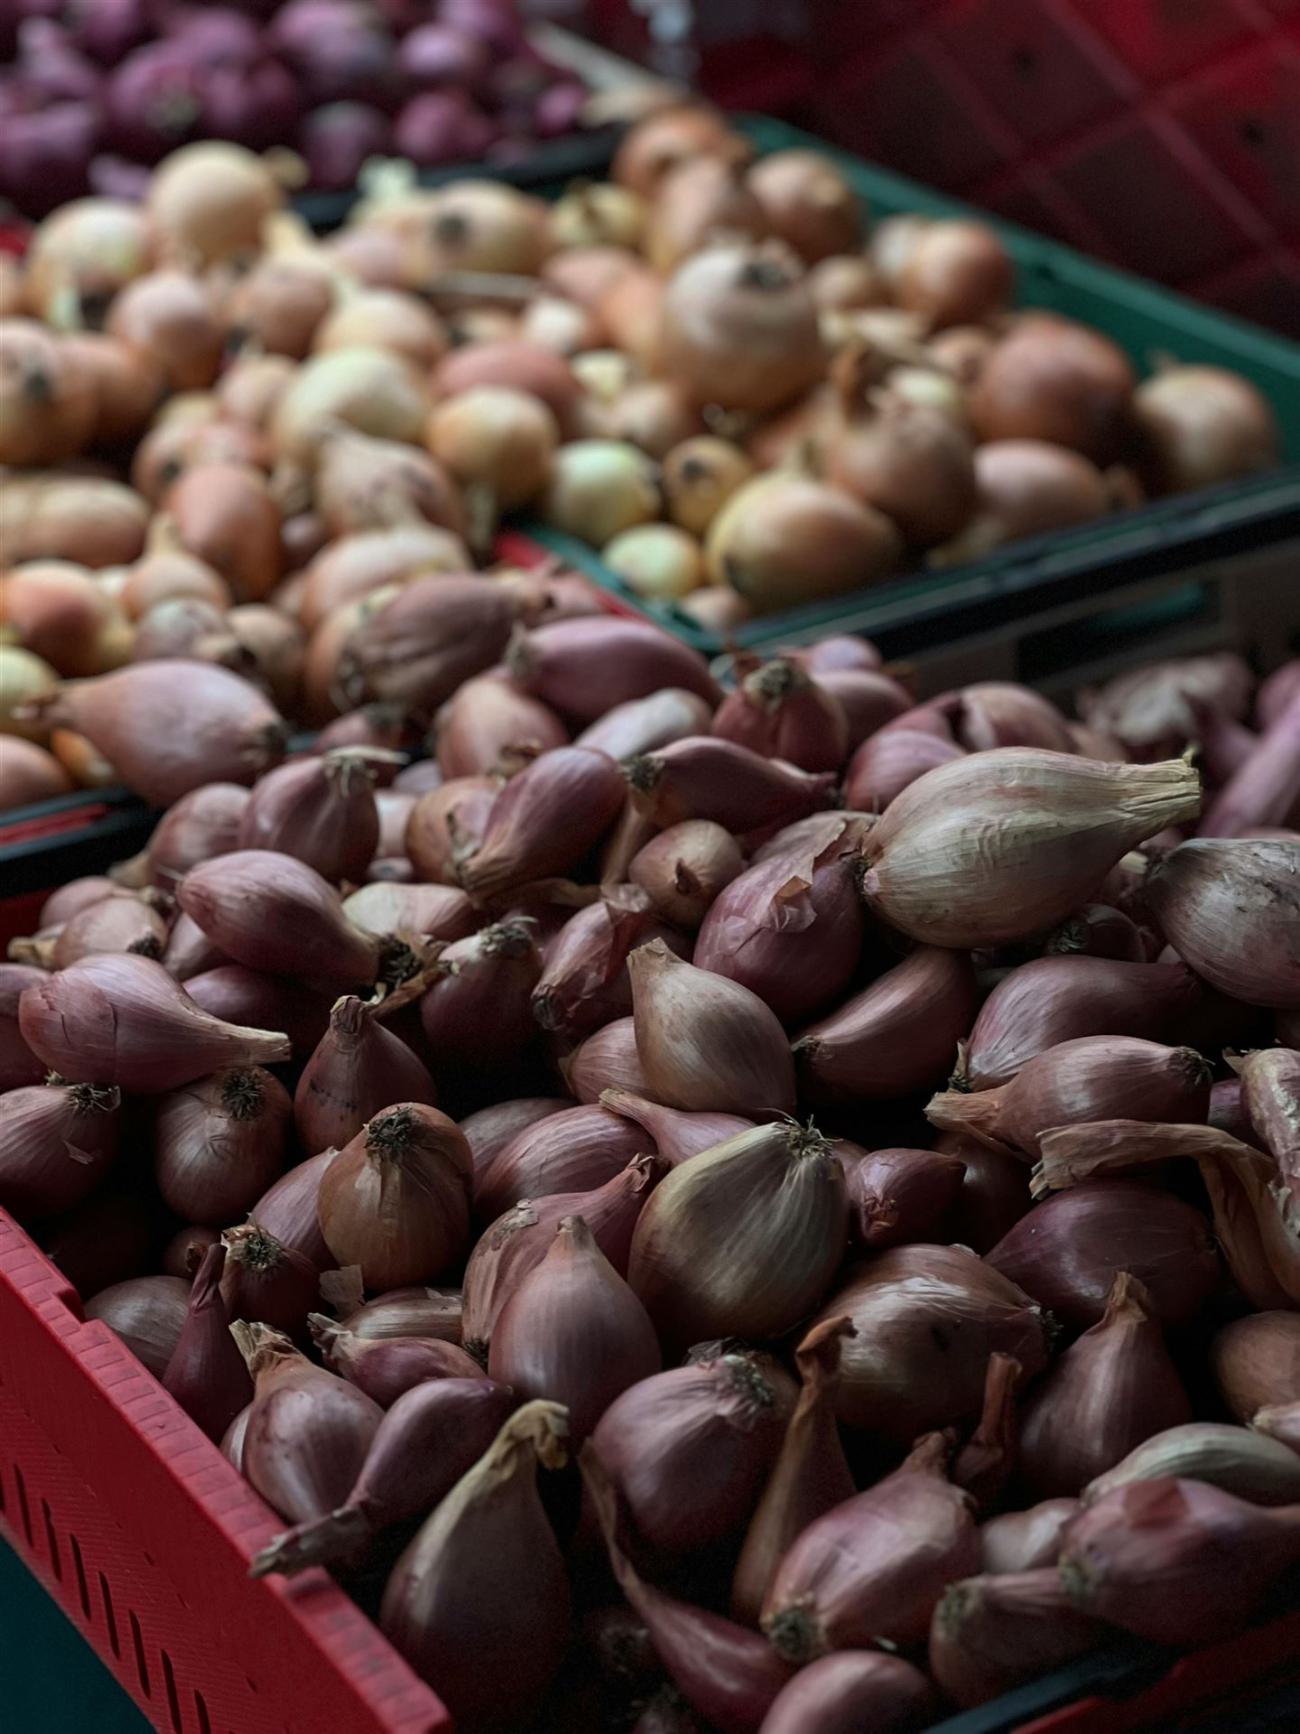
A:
[(923, 610)]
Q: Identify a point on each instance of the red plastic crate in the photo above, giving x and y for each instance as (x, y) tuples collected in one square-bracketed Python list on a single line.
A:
[(142, 1532)]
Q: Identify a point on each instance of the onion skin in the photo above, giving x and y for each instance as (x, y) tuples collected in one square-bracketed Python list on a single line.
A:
[(574, 1329), (583, 668), (791, 928), (269, 911), (1281, 1422), (123, 1020), (900, 1195), (1053, 1000), (725, 1671), (688, 1450), (19, 1066), (894, 1036), (808, 1478), (875, 1566), (59, 1141), (705, 1042), (477, 1013), (781, 1193), (701, 777), (947, 861), (1230, 910), (608, 1060), (992, 1634), (585, 983), (487, 1546), (206, 1373), (563, 1152), (1270, 1100), (1240, 1460), (386, 1368), (1092, 1078), (169, 727), (148, 1313), (898, 1378), (1068, 1251), (850, 1690), (1179, 1562), (522, 841), (1202, 425)]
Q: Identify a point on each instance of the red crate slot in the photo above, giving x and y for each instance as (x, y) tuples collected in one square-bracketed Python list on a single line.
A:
[(1246, 118), (1161, 38), (142, 1532)]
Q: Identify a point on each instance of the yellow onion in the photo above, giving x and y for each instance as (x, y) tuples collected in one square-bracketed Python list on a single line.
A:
[(698, 201), (209, 202), (909, 462), (497, 439), (785, 539), (844, 282), (808, 203), (47, 405), (128, 384), (598, 214), (173, 318), (23, 677), (664, 141), (370, 389), (565, 326), (956, 273), (1203, 425), (1052, 379), (80, 256), (82, 519), (364, 483), (278, 306), (1027, 487), (739, 327), (699, 476), (384, 319), (223, 514), (250, 388), (658, 561), (599, 487)]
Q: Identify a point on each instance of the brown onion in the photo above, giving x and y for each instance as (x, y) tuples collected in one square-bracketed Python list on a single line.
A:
[(808, 203), (784, 539), (395, 1200), (369, 389), (893, 1036), (699, 476), (362, 483), (927, 1320), (909, 462), (47, 404), (663, 141), (172, 318), (743, 1239), (957, 272), (1201, 426), (1053, 379), (874, 1566), (384, 319), (219, 1143), (517, 365)]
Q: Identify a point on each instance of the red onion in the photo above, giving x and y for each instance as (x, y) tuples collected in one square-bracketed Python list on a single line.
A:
[(269, 911), (894, 1036), (1179, 1562), (1093, 1078), (725, 1671), (567, 1151), (59, 1141), (385, 1368), (851, 1690), (122, 1020), (927, 1319), (1229, 909), (18, 1064), (1112, 1389), (358, 1068), (607, 1060), (1281, 1422), (706, 1042), (1152, 710), (994, 1193), (585, 983), (573, 1327), (431, 911), (1096, 930), (1056, 1000), (783, 713), (148, 1313), (287, 1210), (1242, 1461), (219, 1143), (889, 762), (700, 777), (1270, 1101), (477, 1011), (308, 1432), (1265, 789), (434, 633), (320, 810), (688, 1450), (447, 825), (992, 1634), (1068, 1251), (489, 727), (1276, 692), (523, 841), (583, 668), (428, 1439), (875, 1566), (676, 1136), (946, 862), (900, 1195), (489, 1130), (643, 725), (202, 824), (487, 1554), (267, 1279), (231, 991), (791, 928), (684, 868), (206, 1373), (1026, 1540), (1256, 1361)]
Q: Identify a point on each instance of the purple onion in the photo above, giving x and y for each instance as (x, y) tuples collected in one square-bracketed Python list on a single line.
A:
[(50, 64), (495, 22), (443, 126), (436, 55), (155, 98), (217, 36), (45, 156), (558, 108), (108, 29), (115, 178), (344, 59), (257, 105), (338, 138)]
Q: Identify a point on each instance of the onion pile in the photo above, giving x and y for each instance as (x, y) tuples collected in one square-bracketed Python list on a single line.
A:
[(97, 93), (543, 1108)]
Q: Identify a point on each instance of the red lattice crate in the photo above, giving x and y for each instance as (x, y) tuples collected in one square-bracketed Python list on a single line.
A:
[(142, 1532)]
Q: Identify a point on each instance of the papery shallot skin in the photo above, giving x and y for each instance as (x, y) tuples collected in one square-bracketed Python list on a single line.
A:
[(852, 1690), (1230, 907), (991, 1634), (1007, 843)]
